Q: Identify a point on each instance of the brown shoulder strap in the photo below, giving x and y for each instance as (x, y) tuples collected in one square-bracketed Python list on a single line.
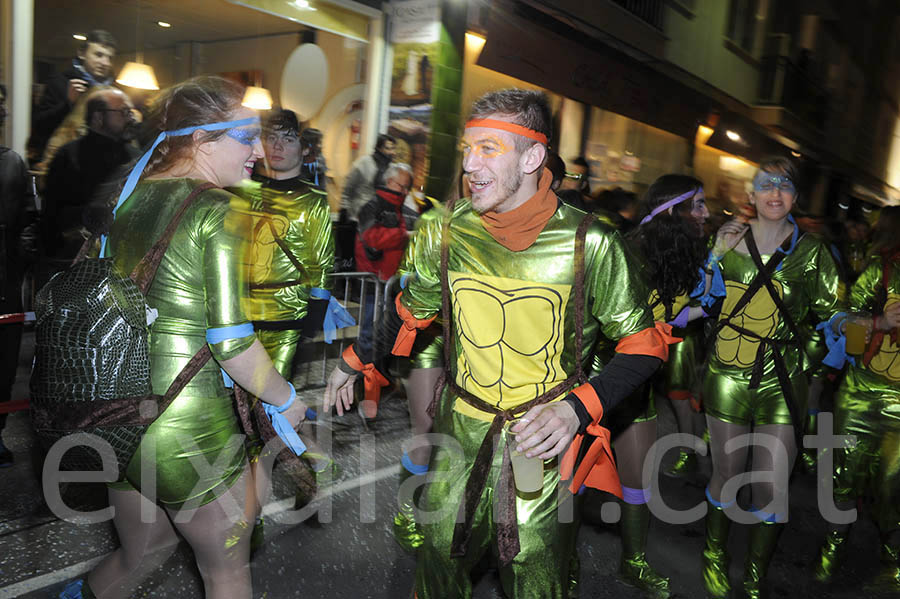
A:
[(145, 271), (765, 274), (284, 246)]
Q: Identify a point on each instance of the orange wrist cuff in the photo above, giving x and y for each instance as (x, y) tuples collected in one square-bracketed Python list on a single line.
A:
[(373, 380), (588, 397)]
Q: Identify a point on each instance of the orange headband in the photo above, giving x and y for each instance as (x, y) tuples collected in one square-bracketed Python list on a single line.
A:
[(511, 127)]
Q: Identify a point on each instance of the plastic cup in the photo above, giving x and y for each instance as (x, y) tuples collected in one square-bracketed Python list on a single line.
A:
[(856, 337), (528, 473)]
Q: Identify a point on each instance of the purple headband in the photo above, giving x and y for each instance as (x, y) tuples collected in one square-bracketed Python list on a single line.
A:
[(666, 205)]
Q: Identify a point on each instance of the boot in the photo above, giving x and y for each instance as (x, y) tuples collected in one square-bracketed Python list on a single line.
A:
[(715, 554), (830, 555), (574, 571), (887, 581), (634, 569), (407, 532), (808, 456), (685, 465), (763, 539)]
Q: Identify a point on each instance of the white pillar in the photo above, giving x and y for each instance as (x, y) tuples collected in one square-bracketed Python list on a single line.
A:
[(17, 70), (571, 123), (375, 105)]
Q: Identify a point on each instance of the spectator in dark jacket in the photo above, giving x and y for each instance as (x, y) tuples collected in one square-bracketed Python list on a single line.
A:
[(382, 233), (93, 66), (16, 212), (81, 166)]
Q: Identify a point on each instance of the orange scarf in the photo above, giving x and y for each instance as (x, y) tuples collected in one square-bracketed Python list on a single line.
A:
[(517, 229)]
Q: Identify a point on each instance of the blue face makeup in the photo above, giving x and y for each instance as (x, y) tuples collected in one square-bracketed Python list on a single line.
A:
[(248, 137), (766, 182)]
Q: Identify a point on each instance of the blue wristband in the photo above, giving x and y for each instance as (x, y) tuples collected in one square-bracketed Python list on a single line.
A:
[(283, 408)]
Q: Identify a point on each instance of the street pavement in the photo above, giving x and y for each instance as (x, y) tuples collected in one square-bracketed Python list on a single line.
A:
[(354, 555)]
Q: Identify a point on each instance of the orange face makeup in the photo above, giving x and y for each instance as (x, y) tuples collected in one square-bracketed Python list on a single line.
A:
[(484, 145)]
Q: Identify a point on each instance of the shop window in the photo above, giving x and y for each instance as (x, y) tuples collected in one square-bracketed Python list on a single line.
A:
[(743, 19)]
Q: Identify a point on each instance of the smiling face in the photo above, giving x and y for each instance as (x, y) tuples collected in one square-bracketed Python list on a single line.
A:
[(232, 156), (282, 148), (773, 195), (491, 165)]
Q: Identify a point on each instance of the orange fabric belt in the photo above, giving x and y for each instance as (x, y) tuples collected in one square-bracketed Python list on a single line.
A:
[(406, 337)]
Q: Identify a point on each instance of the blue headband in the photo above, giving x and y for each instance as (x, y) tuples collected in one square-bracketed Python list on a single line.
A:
[(138, 170), (666, 205)]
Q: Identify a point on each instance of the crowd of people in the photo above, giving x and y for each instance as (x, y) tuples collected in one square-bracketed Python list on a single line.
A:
[(539, 321)]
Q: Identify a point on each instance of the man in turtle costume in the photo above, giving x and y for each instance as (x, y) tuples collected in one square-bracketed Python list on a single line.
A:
[(524, 285)]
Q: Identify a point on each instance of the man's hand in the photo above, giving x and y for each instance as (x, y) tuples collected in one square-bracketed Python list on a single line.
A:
[(729, 235), (545, 431), (339, 391), (76, 88)]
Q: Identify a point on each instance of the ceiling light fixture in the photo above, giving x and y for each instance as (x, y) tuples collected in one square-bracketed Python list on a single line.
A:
[(137, 74), (163, 24), (257, 98), (79, 37), (733, 135)]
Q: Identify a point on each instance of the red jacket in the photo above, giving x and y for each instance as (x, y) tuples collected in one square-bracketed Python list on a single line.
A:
[(382, 231)]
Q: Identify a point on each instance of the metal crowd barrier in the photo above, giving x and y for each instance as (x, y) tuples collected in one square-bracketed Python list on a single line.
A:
[(352, 289)]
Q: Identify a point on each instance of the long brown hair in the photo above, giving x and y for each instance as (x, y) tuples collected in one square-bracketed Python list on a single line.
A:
[(197, 101)]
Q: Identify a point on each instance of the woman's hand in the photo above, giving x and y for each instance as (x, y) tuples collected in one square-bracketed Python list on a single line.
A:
[(728, 237), (296, 414)]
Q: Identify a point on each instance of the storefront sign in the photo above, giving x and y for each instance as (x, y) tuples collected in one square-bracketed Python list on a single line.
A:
[(415, 21)]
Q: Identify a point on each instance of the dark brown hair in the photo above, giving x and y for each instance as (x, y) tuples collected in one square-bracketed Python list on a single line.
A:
[(98, 36), (198, 101), (525, 107)]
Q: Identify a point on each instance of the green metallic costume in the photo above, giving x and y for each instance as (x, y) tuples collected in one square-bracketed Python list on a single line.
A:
[(513, 331), (198, 286), (299, 216), (806, 280), (742, 385), (867, 405)]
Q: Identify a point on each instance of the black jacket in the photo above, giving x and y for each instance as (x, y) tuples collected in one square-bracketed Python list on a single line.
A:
[(17, 211), (73, 181), (54, 106)]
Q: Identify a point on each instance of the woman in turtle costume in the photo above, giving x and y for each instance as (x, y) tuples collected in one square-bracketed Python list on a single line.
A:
[(205, 137), (867, 405), (774, 277), (670, 241)]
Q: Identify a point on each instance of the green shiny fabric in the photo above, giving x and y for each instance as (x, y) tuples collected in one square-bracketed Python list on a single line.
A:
[(541, 569), (615, 300), (809, 282), (531, 294), (198, 286), (679, 373), (867, 405), (302, 219)]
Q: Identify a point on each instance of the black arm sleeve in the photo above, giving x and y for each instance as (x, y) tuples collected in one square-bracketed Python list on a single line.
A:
[(315, 317), (618, 380), (388, 328)]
